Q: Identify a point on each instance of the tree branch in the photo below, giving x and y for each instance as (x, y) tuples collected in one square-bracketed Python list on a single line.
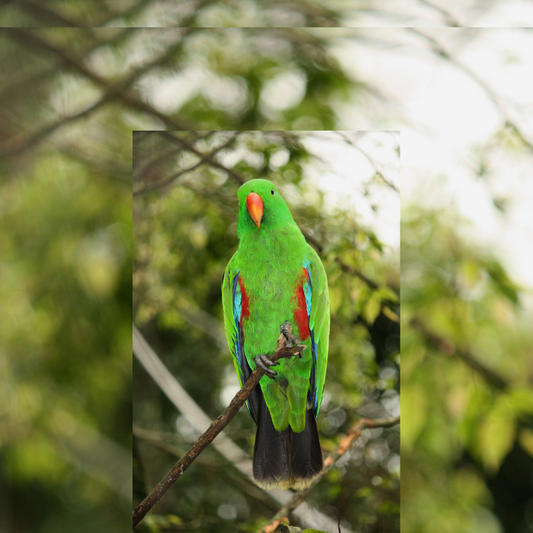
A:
[(32, 80), (346, 443), (112, 91), (282, 351), (449, 348), (355, 272)]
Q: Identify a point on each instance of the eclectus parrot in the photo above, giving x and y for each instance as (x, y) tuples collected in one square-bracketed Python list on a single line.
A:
[(274, 277)]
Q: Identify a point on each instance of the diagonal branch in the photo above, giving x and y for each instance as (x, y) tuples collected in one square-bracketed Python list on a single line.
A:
[(40, 10), (45, 15), (350, 270), (282, 351), (447, 347), (346, 443)]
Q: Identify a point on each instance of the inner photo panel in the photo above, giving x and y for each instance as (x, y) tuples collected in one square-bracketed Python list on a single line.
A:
[(234, 233)]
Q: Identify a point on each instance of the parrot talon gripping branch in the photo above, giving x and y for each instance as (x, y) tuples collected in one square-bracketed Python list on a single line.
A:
[(265, 363), (275, 278)]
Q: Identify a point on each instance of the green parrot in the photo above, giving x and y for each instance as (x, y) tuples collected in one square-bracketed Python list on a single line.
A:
[(274, 277)]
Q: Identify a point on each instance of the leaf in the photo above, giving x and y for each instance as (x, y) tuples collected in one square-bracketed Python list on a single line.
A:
[(364, 492), (375, 241), (286, 528), (294, 529), (372, 309), (496, 438), (502, 281), (386, 293), (390, 314), (525, 438), (335, 299), (520, 400), (174, 520)]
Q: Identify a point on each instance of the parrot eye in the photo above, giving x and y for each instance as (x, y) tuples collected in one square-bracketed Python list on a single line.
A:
[(272, 192)]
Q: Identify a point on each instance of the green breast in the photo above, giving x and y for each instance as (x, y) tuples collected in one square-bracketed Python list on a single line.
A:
[(270, 265)]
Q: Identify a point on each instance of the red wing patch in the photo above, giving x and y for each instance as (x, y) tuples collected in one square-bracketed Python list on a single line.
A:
[(300, 313), (245, 302)]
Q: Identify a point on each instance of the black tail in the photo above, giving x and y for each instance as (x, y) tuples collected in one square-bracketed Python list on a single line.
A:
[(306, 453), (284, 459)]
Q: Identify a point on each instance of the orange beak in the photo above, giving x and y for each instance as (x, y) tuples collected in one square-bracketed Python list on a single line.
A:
[(255, 208)]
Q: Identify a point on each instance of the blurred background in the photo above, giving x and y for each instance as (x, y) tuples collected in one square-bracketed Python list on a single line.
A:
[(184, 233), (454, 78)]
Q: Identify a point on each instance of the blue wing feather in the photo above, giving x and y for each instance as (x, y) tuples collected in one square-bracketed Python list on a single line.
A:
[(238, 343), (308, 292), (237, 309)]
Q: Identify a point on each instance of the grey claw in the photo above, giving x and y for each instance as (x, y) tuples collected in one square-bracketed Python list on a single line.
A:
[(286, 330), (265, 363), (286, 333)]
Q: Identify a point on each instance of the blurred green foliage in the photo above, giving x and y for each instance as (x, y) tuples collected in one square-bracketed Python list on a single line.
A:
[(64, 285), (185, 231), (467, 398)]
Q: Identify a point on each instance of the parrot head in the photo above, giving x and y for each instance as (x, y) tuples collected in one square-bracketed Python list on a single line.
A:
[(261, 207)]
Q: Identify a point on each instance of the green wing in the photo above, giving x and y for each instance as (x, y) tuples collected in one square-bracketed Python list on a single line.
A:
[(230, 324), (231, 304), (319, 319)]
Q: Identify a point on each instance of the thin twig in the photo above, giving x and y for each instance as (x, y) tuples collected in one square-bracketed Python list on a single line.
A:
[(206, 158), (282, 351), (240, 179), (440, 51), (449, 18), (145, 166), (387, 182), (346, 443)]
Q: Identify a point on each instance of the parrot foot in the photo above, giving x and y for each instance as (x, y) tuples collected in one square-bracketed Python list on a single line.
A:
[(262, 361), (292, 339)]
